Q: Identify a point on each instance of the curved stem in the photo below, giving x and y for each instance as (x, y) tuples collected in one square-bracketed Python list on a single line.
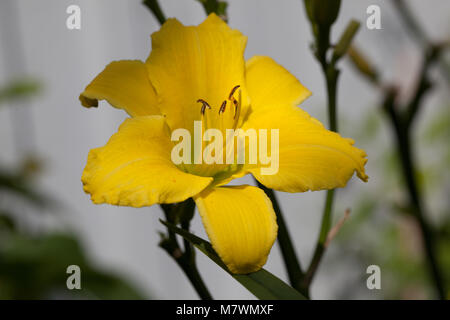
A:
[(291, 262), (331, 74), (185, 260)]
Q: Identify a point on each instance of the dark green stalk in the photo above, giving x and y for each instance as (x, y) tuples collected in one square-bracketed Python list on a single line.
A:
[(332, 75), (322, 14), (320, 245), (215, 6), (290, 259), (182, 213), (186, 261), (331, 80), (155, 9)]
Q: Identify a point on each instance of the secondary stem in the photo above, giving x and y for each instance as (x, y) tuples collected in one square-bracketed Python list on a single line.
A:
[(331, 74)]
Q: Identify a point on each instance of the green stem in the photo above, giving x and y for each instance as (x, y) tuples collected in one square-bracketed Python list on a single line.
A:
[(331, 77), (290, 259), (320, 246), (219, 7), (332, 74), (185, 260), (154, 7)]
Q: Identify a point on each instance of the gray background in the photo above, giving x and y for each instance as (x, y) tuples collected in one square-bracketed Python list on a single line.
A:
[(36, 42)]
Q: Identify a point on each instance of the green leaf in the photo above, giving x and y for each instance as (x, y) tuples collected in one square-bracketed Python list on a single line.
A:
[(19, 89), (17, 184), (263, 284), (34, 267), (6, 223)]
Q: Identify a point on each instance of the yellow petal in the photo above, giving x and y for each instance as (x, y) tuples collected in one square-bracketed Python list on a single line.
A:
[(125, 85), (134, 167), (310, 156), (188, 63), (241, 224), (270, 84)]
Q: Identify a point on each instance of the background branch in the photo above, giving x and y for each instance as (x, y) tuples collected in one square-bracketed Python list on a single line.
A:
[(418, 33), (401, 119)]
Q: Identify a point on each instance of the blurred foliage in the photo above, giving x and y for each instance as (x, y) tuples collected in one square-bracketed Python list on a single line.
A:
[(18, 183), (19, 89), (34, 267), (380, 231), (33, 264)]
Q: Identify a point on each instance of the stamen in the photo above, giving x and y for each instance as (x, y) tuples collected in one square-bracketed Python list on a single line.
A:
[(237, 111), (204, 105), (236, 105), (223, 106), (232, 92)]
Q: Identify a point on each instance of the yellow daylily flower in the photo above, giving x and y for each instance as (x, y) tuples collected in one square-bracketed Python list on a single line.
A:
[(198, 73)]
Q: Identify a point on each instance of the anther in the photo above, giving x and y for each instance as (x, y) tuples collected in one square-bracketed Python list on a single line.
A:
[(235, 102), (204, 105), (232, 92), (223, 106)]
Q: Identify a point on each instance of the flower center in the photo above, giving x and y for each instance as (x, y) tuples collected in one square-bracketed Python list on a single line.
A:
[(221, 120), (209, 156)]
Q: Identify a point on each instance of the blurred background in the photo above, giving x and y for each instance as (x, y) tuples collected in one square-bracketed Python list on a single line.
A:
[(47, 222)]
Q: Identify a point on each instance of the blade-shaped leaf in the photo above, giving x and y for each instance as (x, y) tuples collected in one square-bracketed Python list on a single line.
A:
[(263, 284)]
